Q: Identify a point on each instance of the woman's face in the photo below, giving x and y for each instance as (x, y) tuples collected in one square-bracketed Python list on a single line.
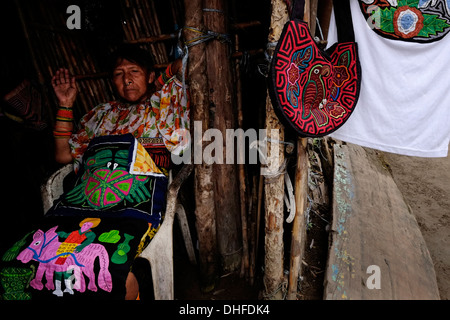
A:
[(131, 81)]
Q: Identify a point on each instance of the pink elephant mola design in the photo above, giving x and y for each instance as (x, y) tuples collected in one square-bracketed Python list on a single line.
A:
[(44, 248)]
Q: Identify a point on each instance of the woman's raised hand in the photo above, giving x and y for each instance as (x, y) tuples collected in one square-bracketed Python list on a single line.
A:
[(65, 87)]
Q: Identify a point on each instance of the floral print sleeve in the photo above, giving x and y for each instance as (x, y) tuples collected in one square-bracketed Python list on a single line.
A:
[(88, 127), (171, 109), (161, 117)]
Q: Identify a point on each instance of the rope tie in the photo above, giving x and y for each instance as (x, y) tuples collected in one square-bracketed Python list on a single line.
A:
[(282, 287), (206, 36), (263, 68), (203, 37), (271, 176)]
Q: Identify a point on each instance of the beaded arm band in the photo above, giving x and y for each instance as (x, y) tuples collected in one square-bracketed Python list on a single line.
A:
[(64, 114), (166, 75), (61, 134)]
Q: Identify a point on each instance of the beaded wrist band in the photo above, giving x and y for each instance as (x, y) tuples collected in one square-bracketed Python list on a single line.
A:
[(64, 114), (166, 75), (61, 134)]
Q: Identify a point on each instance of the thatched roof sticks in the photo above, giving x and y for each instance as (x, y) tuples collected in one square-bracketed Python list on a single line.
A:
[(153, 39)]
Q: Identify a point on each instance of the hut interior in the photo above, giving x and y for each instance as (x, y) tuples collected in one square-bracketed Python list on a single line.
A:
[(39, 41)]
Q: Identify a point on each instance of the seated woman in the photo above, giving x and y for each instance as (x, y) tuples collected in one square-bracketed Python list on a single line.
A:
[(121, 153), (150, 110)]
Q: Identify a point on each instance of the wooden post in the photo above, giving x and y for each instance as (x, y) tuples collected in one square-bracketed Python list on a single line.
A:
[(274, 187), (203, 181), (298, 225), (245, 267), (222, 102), (301, 185)]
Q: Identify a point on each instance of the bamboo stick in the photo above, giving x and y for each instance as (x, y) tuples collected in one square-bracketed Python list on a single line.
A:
[(245, 25), (157, 30), (136, 35), (139, 26), (125, 24), (253, 225), (242, 186), (96, 93), (301, 189), (45, 59), (142, 16), (135, 31), (258, 212), (97, 75), (86, 98), (153, 39), (69, 55), (298, 226)]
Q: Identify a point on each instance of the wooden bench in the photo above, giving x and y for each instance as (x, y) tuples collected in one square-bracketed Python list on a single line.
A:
[(376, 248)]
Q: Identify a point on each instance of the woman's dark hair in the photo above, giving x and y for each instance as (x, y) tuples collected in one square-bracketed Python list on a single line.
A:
[(132, 53)]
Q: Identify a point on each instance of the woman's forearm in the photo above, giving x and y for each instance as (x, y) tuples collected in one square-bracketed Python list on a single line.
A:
[(62, 132)]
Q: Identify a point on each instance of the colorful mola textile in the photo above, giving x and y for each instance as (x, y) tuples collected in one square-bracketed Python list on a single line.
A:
[(408, 20), (403, 102), (117, 178), (314, 92), (74, 258), (86, 244)]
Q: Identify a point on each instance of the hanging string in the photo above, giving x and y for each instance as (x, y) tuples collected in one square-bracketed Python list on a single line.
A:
[(281, 287), (206, 36), (289, 198), (263, 69), (212, 10), (184, 53), (320, 28)]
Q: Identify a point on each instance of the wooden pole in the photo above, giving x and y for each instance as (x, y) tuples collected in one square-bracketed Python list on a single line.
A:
[(274, 187), (203, 180), (301, 187), (245, 268), (298, 225), (222, 102), (253, 225)]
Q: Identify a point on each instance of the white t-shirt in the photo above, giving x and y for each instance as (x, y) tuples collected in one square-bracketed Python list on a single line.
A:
[(404, 102)]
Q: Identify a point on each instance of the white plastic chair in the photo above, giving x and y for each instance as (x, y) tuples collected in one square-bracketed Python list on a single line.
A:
[(159, 252)]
